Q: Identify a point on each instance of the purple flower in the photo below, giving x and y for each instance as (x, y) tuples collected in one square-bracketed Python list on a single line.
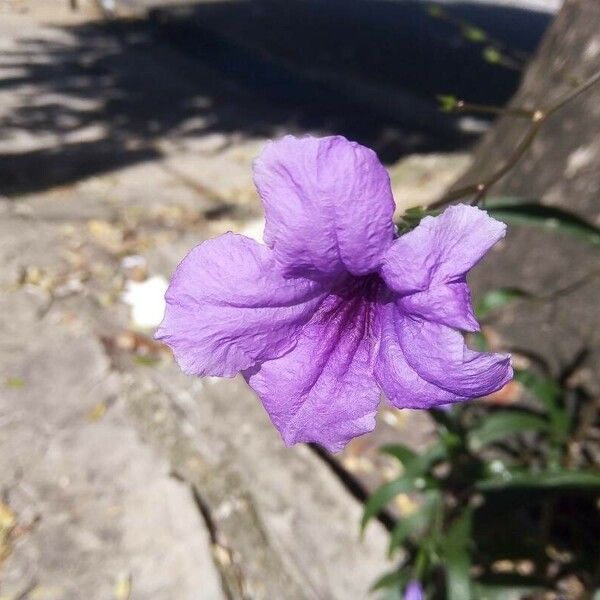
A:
[(414, 591), (333, 309)]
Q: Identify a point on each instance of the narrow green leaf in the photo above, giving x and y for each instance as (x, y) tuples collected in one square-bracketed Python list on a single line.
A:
[(497, 299), (436, 11), (492, 55), (413, 524), (447, 103), (458, 557), (145, 361), (545, 389), (549, 393), (503, 424), (503, 592), (403, 453), (524, 211), (415, 477), (385, 494), (479, 342), (394, 578), (474, 34), (15, 383), (555, 480)]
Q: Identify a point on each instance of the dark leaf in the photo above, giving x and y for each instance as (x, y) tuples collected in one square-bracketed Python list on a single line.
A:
[(385, 494), (555, 480), (524, 211), (503, 592), (503, 424), (403, 453), (396, 578), (457, 557), (549, 393), (414, 523)]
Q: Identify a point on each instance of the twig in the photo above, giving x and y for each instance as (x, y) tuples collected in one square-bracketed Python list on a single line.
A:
[(537, 119), (462, 107)]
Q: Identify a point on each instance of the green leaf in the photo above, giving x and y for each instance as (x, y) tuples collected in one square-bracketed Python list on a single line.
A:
[(492, 55), (524, 211), (545, 389), (497, 299), (436, 11), (394, 578), (474, 34), (503, 592), (414, 523), (145, 361), (457, 557), (447, 103), (549, 393), (15, 383), (414, 478), (385, 494), (403, 453), (554, 480), (503, 424), (479, 341)]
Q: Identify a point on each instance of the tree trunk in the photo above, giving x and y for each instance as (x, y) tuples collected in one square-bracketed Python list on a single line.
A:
[(562, 168)]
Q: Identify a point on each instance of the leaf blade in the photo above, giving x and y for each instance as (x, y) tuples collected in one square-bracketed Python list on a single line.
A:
[(503, 424)]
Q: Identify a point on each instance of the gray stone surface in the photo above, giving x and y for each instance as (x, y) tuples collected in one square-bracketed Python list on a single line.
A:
[(127, 479)]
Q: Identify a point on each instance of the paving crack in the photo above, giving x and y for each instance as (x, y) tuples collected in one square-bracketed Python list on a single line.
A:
[(232, 578)]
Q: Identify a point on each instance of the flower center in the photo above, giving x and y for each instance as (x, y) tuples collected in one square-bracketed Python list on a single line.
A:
[(351, 303)]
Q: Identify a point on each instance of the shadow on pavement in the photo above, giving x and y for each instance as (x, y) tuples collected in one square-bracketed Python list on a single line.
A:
[(368, 69)]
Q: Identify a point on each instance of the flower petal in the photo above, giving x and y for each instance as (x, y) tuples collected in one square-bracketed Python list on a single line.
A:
[(323, 390), (328, 205), (439, 355), (228, 306), (440, 249), (401, 384), (448, 304)]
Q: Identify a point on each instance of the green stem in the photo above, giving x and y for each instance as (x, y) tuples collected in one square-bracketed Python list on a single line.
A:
[(537, 119)]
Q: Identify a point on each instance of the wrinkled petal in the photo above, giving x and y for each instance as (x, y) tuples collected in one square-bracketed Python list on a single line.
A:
[(439, 355), (328, 205), (440, 249), (401, 384), (323, 390), (447, 304), (228, 306)]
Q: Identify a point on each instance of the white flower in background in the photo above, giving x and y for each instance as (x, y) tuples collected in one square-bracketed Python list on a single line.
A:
[(147, 300)]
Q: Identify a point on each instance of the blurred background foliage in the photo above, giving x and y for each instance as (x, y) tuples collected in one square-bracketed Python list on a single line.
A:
[(504, 504)]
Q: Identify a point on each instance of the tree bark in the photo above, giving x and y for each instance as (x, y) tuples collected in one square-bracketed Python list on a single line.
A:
[(562, 168)]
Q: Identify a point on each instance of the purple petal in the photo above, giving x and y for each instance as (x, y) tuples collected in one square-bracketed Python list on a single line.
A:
[(323, 390), (447, 304), (439, 355), (401, 384), (328, 205), (228, 306), (414, 591), (440, 249)]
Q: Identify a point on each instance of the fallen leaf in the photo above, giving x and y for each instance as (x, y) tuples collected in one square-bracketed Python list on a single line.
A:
[(122, 589), (15, 383)]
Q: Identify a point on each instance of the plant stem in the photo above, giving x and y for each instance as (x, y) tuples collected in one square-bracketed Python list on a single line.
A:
[(537, 118), (462, 107)]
